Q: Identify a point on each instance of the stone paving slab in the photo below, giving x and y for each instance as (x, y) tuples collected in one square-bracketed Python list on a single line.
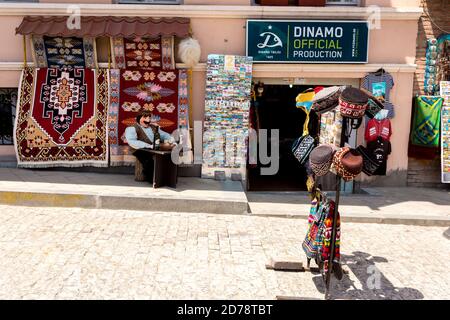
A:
[(75, 253)]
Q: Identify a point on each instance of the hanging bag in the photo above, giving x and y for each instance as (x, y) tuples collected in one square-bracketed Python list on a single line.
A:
[(314, 236), (302, 147)]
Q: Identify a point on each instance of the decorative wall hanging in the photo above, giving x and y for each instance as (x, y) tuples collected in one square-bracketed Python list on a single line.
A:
[(426, 121), (64, 52), (228, 86), (135, 90), (143, 52), (62, 117), (437, 65), (183, 116), (445, 131), (430, 84)]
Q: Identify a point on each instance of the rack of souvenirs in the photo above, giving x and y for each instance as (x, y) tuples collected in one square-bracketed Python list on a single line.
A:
[(340, 110), (72, 113)]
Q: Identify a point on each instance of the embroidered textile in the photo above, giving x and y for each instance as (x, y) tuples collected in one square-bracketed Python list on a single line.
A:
[(64, 52), (427, 121), (61, 118), (143, 53), (136, 90)]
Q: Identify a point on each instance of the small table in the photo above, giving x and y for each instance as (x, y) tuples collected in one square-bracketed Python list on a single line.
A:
[(165, 172)]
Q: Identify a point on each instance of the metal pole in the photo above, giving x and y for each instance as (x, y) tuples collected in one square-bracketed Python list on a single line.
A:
[(336, 208)]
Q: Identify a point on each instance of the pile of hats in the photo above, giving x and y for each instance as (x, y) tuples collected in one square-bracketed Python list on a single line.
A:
[(353, 104), (347, 162)]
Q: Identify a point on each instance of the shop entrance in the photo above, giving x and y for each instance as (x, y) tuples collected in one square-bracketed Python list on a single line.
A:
[(275, 108)]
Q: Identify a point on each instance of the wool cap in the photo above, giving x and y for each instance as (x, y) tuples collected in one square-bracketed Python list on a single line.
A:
[(348, 163), (353, 103), (326, 99)]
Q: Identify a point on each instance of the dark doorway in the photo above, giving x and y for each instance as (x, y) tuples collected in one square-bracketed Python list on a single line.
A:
[(276, 108)]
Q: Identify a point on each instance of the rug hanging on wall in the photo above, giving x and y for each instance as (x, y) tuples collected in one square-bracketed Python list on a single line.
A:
[(64, 52), (427, 121), (61, 118), (143, 53), (158, 91)]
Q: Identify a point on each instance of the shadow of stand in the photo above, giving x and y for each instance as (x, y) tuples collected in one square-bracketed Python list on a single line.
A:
[(373, 285)]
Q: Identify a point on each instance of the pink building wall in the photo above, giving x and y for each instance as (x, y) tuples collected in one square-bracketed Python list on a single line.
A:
[(393, 43)]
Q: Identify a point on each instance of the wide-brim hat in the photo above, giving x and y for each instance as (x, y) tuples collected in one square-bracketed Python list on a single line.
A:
[(321, 159), (348, 163), (370, 165), (353, 103), (326, 99)]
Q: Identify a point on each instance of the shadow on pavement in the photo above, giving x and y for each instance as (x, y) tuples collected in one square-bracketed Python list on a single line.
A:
[(371, 285)]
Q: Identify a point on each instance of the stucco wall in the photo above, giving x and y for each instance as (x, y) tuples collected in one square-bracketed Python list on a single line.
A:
[(427, 172), (393, 43)]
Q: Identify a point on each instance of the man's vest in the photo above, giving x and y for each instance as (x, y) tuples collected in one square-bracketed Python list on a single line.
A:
[(142, 136)]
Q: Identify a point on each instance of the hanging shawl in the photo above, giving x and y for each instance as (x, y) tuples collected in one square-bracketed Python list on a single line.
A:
[(427, 121)]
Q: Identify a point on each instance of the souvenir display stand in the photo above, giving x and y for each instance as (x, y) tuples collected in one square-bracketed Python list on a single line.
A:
[(329, 153), (333, 230), (327, 279)]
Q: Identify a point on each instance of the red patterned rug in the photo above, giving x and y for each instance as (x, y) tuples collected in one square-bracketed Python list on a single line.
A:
[(62, 117), (143, 53), (136, 90)]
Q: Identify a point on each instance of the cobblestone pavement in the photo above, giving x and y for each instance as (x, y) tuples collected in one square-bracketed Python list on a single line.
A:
[(54, 253)]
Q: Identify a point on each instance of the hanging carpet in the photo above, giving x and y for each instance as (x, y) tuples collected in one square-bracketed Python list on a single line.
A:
[(64, 52), (162, 92), (143, 53), (62, 117)]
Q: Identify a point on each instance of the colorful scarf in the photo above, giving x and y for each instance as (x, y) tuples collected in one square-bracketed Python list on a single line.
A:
[(427, 121)]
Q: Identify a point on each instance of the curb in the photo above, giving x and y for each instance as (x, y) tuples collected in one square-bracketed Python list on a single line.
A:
[(214, 206), (92, 201), (429, 221)]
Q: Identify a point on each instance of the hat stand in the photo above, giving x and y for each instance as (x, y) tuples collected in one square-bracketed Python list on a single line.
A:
[(336, 210)]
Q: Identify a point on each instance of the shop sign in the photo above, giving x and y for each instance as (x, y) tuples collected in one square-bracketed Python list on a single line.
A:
[(307, 41)]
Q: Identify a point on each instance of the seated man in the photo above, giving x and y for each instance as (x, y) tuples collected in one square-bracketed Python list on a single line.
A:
[(143, 135)]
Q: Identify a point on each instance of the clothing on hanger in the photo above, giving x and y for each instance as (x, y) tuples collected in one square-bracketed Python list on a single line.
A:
[(381, 149), (378, 128), (380, 84)]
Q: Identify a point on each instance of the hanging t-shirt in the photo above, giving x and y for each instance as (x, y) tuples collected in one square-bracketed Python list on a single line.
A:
[(381, 149), (378, 128), (380, 86)]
